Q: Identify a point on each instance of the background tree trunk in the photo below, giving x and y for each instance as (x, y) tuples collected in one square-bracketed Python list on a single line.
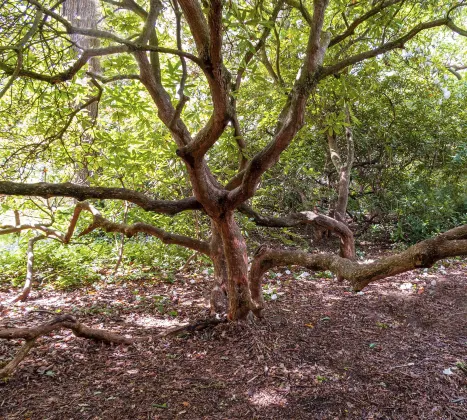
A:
[(84, 14)]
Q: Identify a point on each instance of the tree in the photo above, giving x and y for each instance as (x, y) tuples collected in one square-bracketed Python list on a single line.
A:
[(217, 53)]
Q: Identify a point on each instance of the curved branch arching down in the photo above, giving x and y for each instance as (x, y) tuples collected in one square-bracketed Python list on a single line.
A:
[(347, 242), (47, 232), (130, 230), (422, 255), (62, 321)]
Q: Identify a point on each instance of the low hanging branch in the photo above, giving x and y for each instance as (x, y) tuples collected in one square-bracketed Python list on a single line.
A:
[(98, 222), (320, 221), (31, 335), (422, 255), (47, 232), (131, 230)]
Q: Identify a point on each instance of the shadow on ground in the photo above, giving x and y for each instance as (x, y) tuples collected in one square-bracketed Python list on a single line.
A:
[(320, 353)]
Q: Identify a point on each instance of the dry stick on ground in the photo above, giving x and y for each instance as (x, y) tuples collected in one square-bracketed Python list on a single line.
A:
[(62, 321)]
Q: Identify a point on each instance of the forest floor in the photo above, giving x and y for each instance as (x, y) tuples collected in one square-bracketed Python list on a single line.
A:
[(395, 351)]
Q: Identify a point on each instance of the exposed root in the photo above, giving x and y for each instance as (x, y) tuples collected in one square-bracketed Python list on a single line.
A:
[(63, 321)]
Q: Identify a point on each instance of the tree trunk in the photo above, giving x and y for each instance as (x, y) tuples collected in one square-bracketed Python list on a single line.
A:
[(85, 14), (236, 257), (219, 290)]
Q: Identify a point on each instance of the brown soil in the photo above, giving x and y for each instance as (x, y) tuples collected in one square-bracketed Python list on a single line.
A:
[(320, 353)]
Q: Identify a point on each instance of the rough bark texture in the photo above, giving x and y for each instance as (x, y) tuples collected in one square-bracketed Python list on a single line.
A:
[(100, 222), (218, 299), (318, 221), (81, 192), (204, 21)]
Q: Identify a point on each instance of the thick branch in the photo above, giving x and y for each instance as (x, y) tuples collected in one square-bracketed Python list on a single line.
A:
[(334, 151), (208, 39), (8, 369), (62, 321), (292, 116), (81, 192), (321, 221), (198, 25), (29, 270), (422, 255), (344, 172), (398, 43)]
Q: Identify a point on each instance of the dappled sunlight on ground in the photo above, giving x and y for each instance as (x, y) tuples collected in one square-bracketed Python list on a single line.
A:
[(153, 321), (322, 351), (268, 397)]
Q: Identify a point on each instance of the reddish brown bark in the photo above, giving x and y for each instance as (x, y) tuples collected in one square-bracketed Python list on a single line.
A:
[(237, 267), (218, 202), (218, 299)]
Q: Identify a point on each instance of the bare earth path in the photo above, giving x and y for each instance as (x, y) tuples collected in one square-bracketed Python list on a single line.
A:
[(393, 352)]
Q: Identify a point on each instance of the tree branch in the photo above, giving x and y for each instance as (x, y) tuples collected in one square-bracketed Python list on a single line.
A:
[(62, 321), (81, 192), (298, 4), (422, 255), (318, 221), (398, 43), (351, 29), (259, 45), (292, 116), (100, 222)]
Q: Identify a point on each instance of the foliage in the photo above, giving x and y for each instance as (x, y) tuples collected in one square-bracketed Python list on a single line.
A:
[(406, 107)]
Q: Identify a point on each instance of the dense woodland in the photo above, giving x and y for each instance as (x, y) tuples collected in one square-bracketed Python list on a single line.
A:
[(144, 140)]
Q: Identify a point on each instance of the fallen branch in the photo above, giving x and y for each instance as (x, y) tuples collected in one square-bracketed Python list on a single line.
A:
[(63, 321)]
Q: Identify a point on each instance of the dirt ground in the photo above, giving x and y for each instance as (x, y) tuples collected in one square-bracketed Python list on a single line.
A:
[(395, 351)]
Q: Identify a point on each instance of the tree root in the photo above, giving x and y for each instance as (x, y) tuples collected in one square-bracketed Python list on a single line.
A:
[(31, 335), (194, 326)]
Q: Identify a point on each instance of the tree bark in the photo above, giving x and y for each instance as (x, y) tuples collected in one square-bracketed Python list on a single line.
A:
[(422, 255), (237, 266), (62, 321), (219, 291), (85, 14)]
